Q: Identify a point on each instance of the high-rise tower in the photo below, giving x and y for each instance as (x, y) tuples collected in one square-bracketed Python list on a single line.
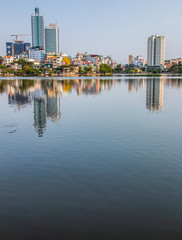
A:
[(131, 58), (37, 22), (52, 39), (156, 51)]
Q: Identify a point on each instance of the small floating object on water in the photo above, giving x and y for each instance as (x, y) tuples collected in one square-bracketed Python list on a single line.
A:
[(12, 131)]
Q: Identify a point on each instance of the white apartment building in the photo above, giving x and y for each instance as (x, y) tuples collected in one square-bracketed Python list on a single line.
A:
[(138, 61), (36, 54), (8, 60), (156, 51)]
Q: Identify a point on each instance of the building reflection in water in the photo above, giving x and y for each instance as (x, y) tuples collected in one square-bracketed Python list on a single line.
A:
[(53, 108), (130, 85), (46, 105), (18, 96), (19, 99), (136, 84), (45, 95), (40, 115), (154, 94), (53, 90)]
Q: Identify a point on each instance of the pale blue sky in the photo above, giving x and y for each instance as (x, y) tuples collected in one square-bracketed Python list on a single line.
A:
[(117, 28)]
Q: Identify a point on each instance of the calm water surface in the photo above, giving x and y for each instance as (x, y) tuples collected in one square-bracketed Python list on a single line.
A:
[(91, 159)]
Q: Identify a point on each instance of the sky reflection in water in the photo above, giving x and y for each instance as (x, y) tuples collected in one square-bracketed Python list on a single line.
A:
[(91, 159)]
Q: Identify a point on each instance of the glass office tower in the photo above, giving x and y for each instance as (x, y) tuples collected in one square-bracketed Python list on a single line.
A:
[(37, 22), (52, 39)]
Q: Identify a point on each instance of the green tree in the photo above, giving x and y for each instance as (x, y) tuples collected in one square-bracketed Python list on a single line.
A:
[(105, 68), (118, 69), (87, 69), (176, 68), (23, 63), (3, 69), (129, 70), (25, 68), (19, 73), (80, 70)]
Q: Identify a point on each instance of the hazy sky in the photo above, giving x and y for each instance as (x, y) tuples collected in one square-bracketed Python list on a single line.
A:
[(117, 28)]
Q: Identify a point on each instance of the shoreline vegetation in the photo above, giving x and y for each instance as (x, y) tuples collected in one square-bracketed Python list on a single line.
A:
[(22, 68)]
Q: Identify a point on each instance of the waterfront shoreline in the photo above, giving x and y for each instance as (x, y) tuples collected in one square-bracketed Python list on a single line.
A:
[(85, 75), (73, 77)]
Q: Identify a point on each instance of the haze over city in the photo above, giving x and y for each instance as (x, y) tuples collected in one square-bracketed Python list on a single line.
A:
[(116, 28)]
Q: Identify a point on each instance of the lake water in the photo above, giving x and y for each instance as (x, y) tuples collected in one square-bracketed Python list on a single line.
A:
[(91, 159)]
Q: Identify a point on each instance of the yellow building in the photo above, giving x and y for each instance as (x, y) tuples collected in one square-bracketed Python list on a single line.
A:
[(66, 61)]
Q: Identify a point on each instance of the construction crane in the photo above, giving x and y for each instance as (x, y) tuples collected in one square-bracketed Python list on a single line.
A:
[(18, 35)]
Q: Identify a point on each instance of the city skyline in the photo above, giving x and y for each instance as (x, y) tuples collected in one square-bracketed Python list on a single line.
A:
[(89, 36)]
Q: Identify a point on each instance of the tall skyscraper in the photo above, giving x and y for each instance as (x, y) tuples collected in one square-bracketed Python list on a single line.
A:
[(156, 51), (52, 39), (37, 22)]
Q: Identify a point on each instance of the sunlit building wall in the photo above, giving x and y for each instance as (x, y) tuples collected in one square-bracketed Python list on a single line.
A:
[(156, 50), (131, 58)]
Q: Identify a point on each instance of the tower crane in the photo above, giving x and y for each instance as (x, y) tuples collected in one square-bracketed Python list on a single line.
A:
[(18, 35)]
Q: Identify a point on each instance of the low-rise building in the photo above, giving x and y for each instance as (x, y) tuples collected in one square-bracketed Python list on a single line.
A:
[(37, 64), (16, 66), (52, 60), (36, 54), (8, 60), (175, 61), (139, 62)]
